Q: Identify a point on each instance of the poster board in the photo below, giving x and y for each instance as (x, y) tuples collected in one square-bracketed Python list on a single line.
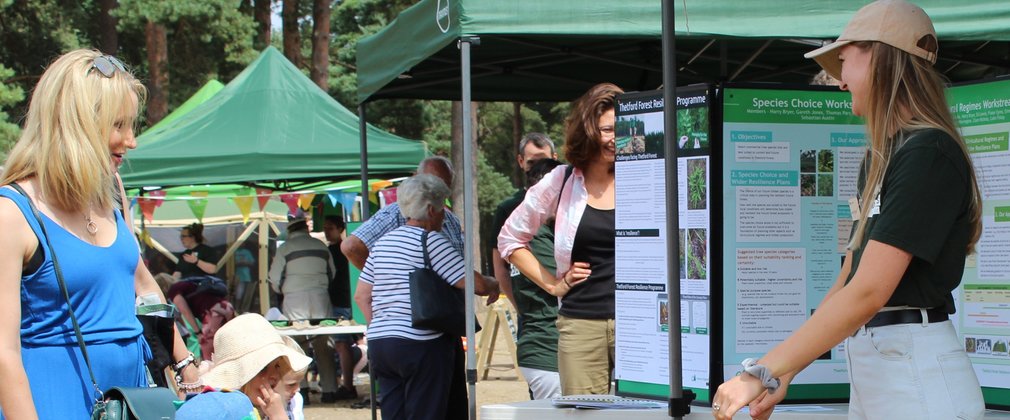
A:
[(641, 300), (982, 111), (789, 165)]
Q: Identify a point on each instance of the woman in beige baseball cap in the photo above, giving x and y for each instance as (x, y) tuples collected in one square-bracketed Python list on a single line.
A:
[(917, 217)]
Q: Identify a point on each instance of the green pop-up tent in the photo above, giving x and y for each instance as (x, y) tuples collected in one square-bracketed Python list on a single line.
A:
[(554, 50), (206, 92), (270, 124)]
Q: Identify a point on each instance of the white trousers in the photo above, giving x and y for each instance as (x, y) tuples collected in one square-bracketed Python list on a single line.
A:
[(911, 371), (544, 384)]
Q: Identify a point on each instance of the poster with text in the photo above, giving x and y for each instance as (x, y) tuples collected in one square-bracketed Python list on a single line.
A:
[(983, 300), (642, 301), (790, 160)]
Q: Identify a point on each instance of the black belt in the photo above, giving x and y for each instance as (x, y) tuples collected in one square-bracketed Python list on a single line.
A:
[(906, 316)]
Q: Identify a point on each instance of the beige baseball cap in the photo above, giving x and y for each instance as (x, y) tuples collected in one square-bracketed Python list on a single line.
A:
[(897, 23)]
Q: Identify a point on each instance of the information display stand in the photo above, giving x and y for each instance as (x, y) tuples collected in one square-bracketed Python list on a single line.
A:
[(982, 111), (642, 312), (789, 166)]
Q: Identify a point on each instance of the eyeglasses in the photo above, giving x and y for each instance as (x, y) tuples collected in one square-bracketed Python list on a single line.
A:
[(185, 236), (107, 65)]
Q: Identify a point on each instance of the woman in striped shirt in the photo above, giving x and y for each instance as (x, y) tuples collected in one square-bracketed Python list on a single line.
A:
[(413, 366)]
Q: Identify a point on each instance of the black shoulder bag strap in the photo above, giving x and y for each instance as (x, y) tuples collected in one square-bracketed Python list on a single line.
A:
[(424, 249), (63, 288)]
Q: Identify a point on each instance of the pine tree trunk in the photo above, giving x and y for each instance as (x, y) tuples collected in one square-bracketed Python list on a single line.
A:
[(108, 36), (320, 73), (157, 59), (457, 164), (292, 37), (261, 12)]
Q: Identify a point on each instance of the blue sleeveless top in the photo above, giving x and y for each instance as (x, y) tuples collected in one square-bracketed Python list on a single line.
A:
[(100, 281)]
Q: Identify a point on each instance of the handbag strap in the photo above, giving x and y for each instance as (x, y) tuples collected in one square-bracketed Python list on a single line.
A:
[(424, 249), (63, 288)]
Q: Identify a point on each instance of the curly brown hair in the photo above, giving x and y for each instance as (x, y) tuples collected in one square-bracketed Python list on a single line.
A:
[(582, 136), (196, 230)]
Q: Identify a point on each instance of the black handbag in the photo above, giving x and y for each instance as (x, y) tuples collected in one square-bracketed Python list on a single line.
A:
[(434, 304), (118, 403)]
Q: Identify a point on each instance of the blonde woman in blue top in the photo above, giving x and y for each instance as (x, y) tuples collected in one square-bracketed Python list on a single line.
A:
[(78, 129)]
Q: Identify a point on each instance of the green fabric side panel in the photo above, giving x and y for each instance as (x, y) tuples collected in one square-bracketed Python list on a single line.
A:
[(355, 310), (412, 37), (269, 123)]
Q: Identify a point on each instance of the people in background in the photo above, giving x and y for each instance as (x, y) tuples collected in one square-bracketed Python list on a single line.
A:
[(340, 297), (582, 202), (198, 259), (537, 346), (918, 215), (414, 367), (301, 272), (358, 244), (533, 146)]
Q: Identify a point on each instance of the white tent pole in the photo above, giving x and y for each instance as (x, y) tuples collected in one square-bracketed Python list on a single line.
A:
[(469, 206), (264, 268)]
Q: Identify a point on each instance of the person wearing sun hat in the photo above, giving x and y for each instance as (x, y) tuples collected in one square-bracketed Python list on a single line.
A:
[(917, 217), (252, 357)]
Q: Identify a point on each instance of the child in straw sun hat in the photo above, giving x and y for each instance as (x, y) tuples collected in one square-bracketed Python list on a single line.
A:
[(251, 357)]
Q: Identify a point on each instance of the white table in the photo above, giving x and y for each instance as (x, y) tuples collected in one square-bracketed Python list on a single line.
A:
[(316, 330), (542, 409)]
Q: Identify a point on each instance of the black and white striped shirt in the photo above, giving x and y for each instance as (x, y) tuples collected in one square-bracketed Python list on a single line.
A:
[(390, 262)]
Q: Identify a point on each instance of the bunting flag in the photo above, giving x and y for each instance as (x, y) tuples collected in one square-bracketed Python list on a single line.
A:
[(198, 205), (388, 196), (291, 199), (347, 202), (263, 195), (244, 204), (334, 197), (159, 196), (305, 201), (147, 206)]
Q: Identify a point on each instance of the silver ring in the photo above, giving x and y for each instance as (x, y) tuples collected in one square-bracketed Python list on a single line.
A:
[(716, 406)]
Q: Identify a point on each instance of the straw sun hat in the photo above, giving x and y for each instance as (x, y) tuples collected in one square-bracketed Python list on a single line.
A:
[(243, 347)]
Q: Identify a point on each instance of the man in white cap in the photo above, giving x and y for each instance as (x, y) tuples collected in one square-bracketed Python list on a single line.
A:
[(301, 272)]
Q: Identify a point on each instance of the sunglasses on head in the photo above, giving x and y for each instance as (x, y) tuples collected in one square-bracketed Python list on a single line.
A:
[(107, 65)]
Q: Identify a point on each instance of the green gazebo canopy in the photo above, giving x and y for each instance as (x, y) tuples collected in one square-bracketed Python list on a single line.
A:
[(270, 125), (554, 50)]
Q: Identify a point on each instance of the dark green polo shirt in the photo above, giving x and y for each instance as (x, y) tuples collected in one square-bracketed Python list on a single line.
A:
[(538, 310), (925, 203), (537, 347)]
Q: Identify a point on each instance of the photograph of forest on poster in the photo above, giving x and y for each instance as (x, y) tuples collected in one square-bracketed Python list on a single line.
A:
[(697, 245), (697, 180)]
